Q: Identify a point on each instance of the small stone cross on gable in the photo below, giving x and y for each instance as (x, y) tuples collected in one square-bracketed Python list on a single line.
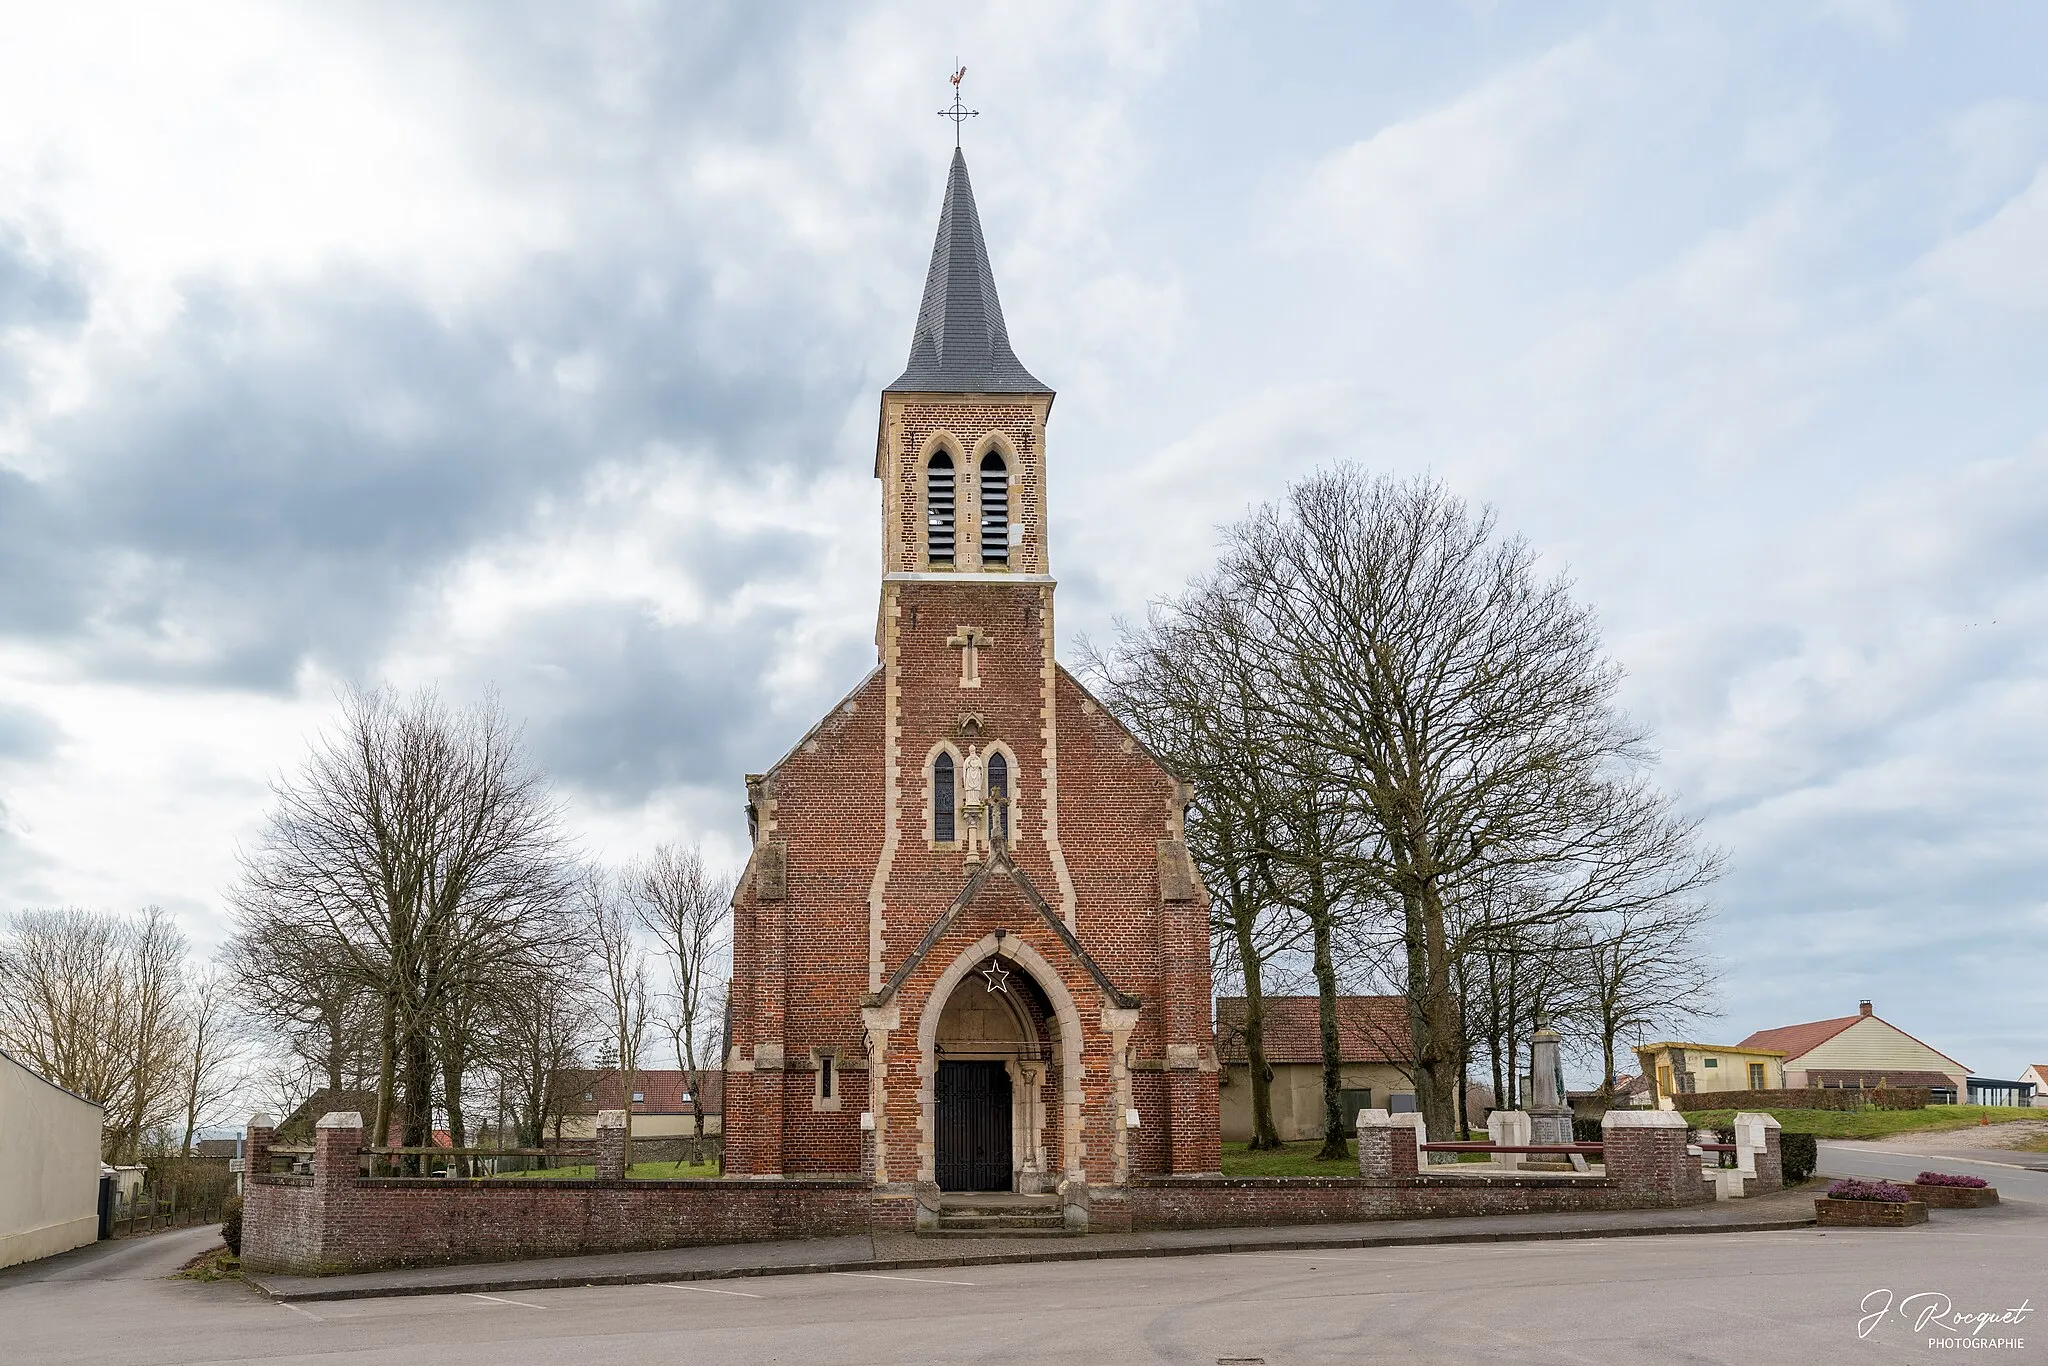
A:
[(968, 640)]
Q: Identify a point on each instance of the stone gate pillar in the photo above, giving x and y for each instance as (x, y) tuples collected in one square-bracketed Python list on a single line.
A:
[(1645, 1152)]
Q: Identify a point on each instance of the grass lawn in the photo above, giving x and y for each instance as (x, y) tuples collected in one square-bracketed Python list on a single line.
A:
[(1295, 1159), (641, 1171), (1869, 1123)]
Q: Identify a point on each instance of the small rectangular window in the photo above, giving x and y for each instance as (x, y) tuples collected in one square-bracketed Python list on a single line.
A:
[(1757, 1080), (1713, 1062), (825, 1077), (639, 1096)]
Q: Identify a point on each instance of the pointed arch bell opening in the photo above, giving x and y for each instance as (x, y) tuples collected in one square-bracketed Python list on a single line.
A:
[(995, 509), (939, 502)]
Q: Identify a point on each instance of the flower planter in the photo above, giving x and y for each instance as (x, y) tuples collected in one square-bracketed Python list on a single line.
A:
[(1954, 1197), (1868, 1213)]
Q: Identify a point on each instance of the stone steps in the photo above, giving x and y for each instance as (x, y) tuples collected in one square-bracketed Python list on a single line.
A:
[(1053, 1219), (947, 1229), (1000, 1214)]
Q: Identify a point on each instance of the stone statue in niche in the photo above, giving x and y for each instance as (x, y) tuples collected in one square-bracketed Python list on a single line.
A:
[(974, 779)]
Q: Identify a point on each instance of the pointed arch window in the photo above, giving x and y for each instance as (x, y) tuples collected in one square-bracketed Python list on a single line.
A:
[(938, 508), (942, 799), (995, 510), (999, 796)]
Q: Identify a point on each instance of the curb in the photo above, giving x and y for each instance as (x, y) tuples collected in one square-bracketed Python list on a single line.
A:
[(501, 1282)]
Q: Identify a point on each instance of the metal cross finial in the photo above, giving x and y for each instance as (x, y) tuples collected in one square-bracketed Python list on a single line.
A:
[(957, 111)]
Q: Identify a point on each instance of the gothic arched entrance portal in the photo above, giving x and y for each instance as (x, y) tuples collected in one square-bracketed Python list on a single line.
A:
[(992, 1069)]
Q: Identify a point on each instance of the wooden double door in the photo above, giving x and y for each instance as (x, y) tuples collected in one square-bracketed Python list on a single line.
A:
[(974, 1126)]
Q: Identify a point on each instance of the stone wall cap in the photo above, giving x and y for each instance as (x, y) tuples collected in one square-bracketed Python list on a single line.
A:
[(340, 1119), (1644, 1119), (1769, 1121), (259, 1120)]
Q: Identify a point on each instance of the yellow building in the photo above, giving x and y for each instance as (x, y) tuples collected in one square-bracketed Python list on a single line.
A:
[(1683, 1068)]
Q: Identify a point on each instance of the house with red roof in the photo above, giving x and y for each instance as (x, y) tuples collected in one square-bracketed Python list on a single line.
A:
[(1861, 1051), (662, 1104), (1372, 1040)]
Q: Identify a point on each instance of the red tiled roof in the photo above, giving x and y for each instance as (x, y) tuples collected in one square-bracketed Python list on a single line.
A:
[(1369, 1029), (1795, 1040), (665, 1091)]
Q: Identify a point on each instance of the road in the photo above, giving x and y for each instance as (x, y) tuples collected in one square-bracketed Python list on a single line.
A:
[(2001, 1169), (1751, 1298)]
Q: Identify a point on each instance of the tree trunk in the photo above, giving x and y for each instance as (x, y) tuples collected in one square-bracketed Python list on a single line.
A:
[(451, 1093), (387, 1075), (192, 1091), (419, 1099), (1265, 1136), (1336, 1147), (1436, 1041)]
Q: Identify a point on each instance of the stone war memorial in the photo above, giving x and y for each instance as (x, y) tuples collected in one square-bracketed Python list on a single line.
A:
[(971, 953)]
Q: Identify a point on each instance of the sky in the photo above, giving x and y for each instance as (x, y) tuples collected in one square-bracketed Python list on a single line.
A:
[(536, 349)]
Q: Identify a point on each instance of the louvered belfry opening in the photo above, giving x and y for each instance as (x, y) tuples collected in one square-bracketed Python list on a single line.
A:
[(995, 510), (938, 508)]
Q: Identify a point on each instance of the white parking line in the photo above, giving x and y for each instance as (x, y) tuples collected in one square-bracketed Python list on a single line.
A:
[(705, 1290), (495, 1300), (921, 1280), (296, 1310)]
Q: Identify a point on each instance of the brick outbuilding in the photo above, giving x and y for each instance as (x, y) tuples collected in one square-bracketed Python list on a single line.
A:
[(970, 950)]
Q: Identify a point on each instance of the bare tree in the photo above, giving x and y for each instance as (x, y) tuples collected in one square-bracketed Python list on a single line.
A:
[(622, 978), (1180, 684), (94, 1003), (1461, 706), (420, 852), (539, 1047), (304, 990), (216, 1047), (1645, 963), (686, 908)]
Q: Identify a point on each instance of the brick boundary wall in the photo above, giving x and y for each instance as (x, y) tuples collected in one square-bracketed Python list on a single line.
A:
[(1808, 1098), (1647, 1167), (338, 1221)]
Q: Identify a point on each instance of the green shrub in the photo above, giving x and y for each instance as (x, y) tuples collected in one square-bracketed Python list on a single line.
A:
[(1799, 1154), (1586, 1130), (231, 1227)]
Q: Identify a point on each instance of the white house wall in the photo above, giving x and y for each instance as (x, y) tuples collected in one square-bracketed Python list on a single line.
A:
[(49, 1167), (1871, 1045)]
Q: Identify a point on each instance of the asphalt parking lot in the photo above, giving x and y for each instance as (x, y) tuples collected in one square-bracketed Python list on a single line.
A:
[(1793, 1296)]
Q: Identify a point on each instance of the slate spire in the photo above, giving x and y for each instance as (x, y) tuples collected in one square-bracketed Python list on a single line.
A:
[(961, 345)]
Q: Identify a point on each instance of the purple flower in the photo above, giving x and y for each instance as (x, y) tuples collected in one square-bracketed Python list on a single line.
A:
[(1883, 1192), (1944, 1179)]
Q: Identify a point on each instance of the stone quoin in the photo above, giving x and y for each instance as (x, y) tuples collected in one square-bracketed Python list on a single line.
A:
[(970, 950)]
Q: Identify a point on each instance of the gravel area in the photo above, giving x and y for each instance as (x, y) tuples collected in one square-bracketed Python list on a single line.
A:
[(2010, 1137)]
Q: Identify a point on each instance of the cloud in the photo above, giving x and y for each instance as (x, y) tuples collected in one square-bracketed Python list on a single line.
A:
[(509, 348), (1417, 188)]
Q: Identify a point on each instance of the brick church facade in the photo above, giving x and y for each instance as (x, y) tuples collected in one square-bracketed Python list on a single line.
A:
[(969, 949)]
